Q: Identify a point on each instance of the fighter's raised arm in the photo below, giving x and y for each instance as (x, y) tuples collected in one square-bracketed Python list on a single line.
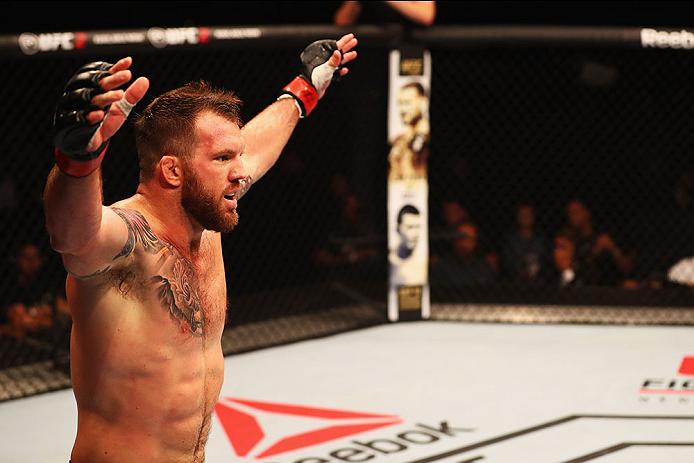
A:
[(90, 110), (147, 293), (322, 62)]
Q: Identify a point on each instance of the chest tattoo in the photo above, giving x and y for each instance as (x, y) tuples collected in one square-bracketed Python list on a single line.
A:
[(178, 295), (175, 279)]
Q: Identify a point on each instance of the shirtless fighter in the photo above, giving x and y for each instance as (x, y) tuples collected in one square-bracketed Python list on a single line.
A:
[(146, 284)]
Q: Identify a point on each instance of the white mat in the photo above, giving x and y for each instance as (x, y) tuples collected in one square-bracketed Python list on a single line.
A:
[(456, 392)]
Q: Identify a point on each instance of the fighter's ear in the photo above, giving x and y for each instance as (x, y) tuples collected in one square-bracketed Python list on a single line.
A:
[(170, 171)]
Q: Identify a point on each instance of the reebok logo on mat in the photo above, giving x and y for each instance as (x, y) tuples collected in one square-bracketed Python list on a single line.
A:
[(303, 426)]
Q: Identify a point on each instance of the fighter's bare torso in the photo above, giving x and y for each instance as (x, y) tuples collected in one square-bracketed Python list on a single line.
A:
[(147, 289), (147, 364)]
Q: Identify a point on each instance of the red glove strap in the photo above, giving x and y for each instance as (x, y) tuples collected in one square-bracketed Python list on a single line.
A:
[(75, 168), (305, 93)]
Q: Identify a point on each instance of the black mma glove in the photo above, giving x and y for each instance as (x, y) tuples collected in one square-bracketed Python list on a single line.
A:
[(71, 131), (315, 77)]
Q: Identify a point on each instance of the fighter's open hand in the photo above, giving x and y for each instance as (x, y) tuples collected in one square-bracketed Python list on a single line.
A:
[(124, 101), (321, 71), (344, 54), (321, 63), (86, 116)]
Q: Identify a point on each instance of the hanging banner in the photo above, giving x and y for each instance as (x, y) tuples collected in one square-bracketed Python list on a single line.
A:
[(408, 188)]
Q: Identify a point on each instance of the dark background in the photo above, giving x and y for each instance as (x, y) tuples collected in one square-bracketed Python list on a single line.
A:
[(67, 16), (544, 124)]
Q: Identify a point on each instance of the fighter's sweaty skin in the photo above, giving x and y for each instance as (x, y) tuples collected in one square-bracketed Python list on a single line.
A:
[(178, 293), (147, 362)]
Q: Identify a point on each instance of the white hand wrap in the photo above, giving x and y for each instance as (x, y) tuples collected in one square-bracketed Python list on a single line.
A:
[(125, 106), (322, 76)]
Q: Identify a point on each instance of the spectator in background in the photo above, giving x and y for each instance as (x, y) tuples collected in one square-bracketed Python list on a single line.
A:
[(672, 248), (600, 259), (33, 299), (339, 190), (452, 214), (351, 244), (525, 250), (420, 14), (565, 271), (464, 266)]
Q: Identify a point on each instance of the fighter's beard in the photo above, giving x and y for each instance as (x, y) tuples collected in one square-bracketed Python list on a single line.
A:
[(207, 209)]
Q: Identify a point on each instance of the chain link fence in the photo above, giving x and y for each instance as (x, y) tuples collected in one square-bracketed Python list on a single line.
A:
[(562, 176), (587, 147), (308, 238)]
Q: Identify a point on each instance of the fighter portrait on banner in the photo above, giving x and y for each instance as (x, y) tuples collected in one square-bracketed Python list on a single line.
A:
[(408, 188), (410, 149), (408, 259)]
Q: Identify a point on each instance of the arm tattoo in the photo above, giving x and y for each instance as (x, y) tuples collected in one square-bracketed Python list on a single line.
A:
[(138, 231)]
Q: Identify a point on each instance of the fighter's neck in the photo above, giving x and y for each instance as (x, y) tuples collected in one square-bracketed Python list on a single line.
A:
[(169, 220)]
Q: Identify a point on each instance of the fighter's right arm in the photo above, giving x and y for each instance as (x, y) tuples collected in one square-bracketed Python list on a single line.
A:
[(87, 234)]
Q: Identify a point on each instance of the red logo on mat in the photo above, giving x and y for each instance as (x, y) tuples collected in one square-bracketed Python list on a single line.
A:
[(687, 366), (245, 432)]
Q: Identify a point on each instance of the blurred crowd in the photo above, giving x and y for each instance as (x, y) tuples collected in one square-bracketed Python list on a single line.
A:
[(533, 245), (577, 252)]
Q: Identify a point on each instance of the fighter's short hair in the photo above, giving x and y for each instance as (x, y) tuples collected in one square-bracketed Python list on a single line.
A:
[(168, 122)]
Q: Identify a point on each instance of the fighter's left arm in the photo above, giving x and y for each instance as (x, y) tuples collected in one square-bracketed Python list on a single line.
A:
[(268, 132)]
